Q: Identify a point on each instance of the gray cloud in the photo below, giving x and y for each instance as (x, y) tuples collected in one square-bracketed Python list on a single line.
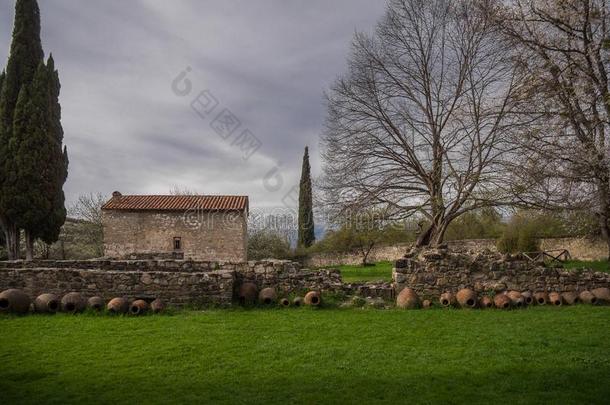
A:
[(268, 61)]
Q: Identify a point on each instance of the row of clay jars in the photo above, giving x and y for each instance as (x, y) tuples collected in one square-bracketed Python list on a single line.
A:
[(248, 295), (16, 301), (467, 298)]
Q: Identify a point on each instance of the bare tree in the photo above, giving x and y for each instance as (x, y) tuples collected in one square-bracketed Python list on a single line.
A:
[(280, 221), (84, 229), (564, 65), (418, 124), (177, 190), (361, 232), (88, 207)]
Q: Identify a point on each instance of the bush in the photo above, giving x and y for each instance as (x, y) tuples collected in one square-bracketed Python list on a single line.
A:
[(346, 238), (362, 232), (267, 244), (485, 223), (520, 235)]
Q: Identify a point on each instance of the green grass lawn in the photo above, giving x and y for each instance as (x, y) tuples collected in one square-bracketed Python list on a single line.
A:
[(303, 356), (376, 272), (600, 265)]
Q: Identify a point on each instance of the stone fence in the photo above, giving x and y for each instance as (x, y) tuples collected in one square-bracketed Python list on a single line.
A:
[(165, 265), (177, 288), (175, 281), (180, 282), (288, 276), (433, 272), (579, 248)]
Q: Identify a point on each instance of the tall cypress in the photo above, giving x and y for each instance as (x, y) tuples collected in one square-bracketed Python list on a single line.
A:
[(2, 222), (25, 55), (35, 194), (32, 162), (58, 159), (28, 191), (306, 225)]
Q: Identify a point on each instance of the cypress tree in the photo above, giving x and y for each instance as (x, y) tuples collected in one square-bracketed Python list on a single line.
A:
[(58, 159), (28, 191), (36, 192), (25, 56), (32, 161), (306, 225), (2, 220)]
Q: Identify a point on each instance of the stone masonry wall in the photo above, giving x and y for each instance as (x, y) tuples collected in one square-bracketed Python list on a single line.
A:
[(390, 253), (204, 235), (579, 248), (179, 282), (432, 272), (288, 277), (187, 266), (177, 288)]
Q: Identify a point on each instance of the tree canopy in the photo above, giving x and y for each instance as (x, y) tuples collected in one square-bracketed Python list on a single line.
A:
[(33, 160), (418, 125)]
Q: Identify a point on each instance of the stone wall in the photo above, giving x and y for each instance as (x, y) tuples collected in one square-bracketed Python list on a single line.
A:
[(179, 282), (432, 272), (177, 288), (186, 266), (288, 277), (371, 289), (579, 248), (389, 253), (204, 235), (378, 254)]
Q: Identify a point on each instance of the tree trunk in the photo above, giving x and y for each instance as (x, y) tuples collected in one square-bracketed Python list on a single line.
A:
[(433, 235), (12, 236), (603, 193), (29, 246), (365, 255), (605, 228), (439, 236), (365, 251), (424, 238)]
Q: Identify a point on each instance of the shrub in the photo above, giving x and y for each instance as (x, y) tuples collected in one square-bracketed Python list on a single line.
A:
[(485, 223), (520, 235), (527, 240), (267, 244)]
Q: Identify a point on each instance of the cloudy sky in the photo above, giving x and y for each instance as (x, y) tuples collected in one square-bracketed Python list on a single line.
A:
[(261, 64)]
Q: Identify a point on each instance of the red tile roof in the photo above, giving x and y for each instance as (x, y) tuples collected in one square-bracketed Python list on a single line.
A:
[(177, 202)]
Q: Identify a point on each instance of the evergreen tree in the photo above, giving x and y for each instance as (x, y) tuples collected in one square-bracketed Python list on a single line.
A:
[(306, 225), (58, 159), (25, 56), (32, 162), (35, 194), (28, 191)]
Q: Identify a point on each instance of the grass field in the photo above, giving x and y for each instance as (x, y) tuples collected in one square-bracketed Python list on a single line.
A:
[(303, 356), (601, 265), (380, 271)]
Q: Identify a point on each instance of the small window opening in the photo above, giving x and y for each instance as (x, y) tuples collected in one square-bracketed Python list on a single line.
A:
[(177, 243)]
